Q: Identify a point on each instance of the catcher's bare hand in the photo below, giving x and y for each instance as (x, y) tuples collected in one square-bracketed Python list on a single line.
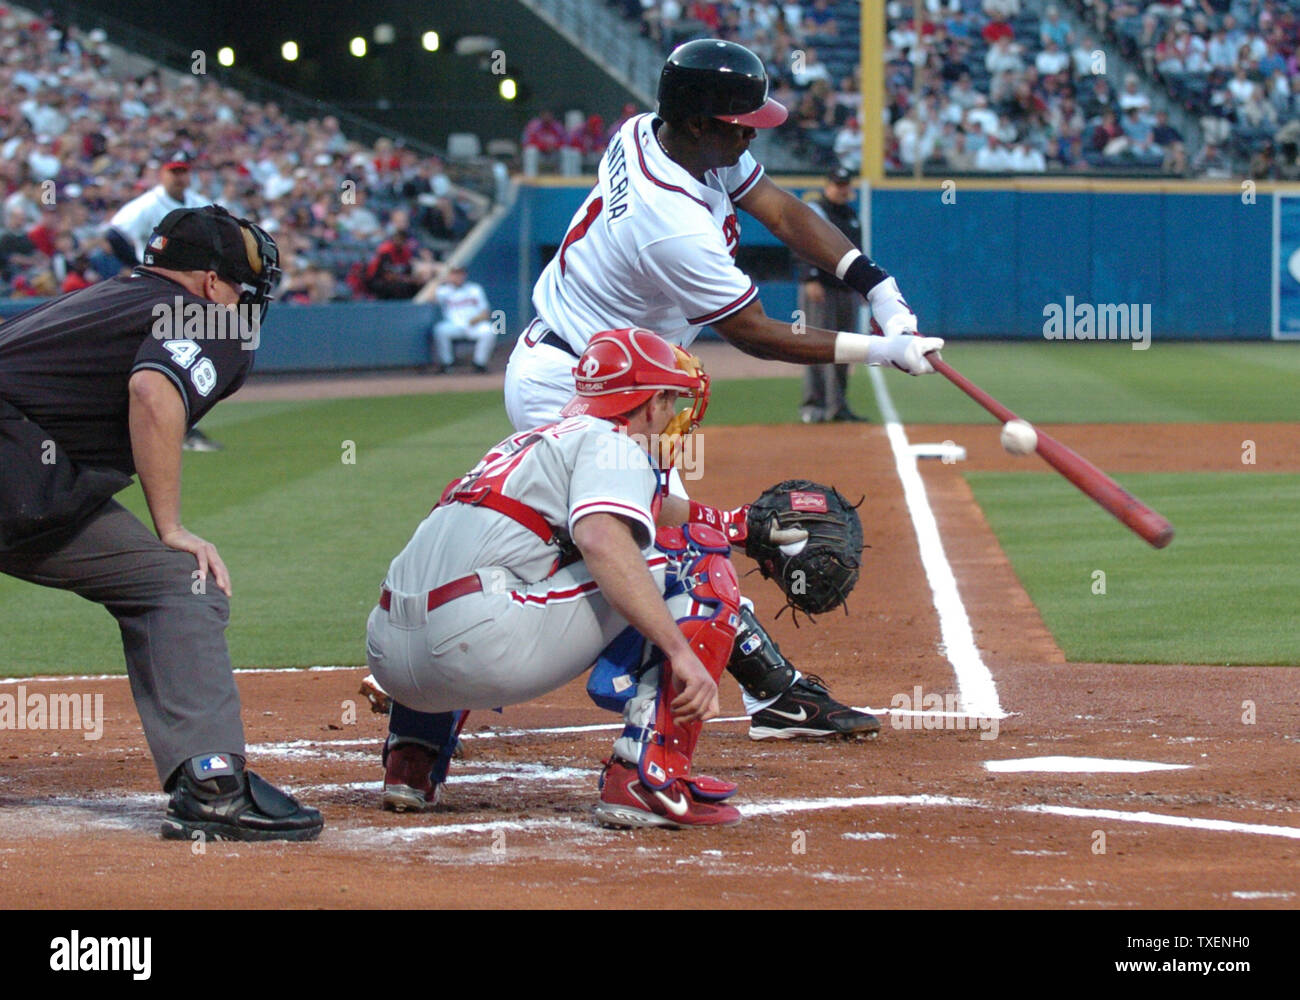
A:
[(697, 700), (773, 534)]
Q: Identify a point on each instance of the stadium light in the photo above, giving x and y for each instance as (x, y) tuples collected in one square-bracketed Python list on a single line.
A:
[(357, 46), (289, 51), (430, 41), (226, 56), (384, 34), (509, 89)]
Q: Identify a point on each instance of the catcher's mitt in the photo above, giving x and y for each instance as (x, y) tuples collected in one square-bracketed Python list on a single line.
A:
[(818, 573)]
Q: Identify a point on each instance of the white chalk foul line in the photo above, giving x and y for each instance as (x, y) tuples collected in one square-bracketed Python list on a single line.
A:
[(1159, 819), (779, 807), (57, 678), (978, 693)]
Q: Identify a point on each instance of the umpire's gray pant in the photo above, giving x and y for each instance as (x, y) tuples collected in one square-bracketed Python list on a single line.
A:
[(825, 387), (174, 639)]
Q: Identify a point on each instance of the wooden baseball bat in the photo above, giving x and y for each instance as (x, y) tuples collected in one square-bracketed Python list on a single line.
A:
[(1094, 483)]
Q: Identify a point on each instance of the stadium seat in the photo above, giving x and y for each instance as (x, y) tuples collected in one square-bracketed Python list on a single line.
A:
[(463, 146)]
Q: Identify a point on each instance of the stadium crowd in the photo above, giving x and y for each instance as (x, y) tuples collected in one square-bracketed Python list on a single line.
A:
[(1231, 63), (78, 141), (1006, 86)]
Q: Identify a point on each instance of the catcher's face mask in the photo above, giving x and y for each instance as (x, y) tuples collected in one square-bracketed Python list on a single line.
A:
[(686, 421)]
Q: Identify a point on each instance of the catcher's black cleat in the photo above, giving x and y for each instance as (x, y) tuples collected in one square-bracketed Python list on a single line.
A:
[(234, 804), (807, 711)]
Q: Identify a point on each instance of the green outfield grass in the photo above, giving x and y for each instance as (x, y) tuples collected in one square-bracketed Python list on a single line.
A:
[(1223, 592), (267, 502), (1066, 382)]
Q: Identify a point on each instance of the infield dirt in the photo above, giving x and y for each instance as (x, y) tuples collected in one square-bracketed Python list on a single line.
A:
[(913, 819)]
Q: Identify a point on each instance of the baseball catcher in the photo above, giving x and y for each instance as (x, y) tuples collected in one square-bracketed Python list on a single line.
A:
[(545, 559)]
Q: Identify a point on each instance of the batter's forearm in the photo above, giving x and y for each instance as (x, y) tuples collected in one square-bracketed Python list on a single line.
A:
[(758, 334), (810, 236), (156, 418)]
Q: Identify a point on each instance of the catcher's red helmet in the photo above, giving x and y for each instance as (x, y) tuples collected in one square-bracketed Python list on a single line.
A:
[(621, 369)]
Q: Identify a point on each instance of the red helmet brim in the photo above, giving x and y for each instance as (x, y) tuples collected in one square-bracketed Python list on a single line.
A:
[(770, 115)]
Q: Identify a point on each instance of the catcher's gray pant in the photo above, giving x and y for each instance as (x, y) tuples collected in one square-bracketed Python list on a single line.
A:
[(825, 386), (174, 639), (506, 645)]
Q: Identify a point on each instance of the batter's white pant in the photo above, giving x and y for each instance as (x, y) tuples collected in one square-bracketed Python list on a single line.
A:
[(509, 644), (539, 381), (484, 337)]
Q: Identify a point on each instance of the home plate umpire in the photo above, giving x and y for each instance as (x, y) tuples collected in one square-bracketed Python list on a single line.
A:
[(102, 383)]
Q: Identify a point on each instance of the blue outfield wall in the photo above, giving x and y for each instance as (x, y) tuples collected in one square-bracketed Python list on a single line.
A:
[(988, 264), (984, 266)]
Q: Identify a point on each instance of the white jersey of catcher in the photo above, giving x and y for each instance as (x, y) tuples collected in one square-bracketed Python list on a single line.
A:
[(651, 246)]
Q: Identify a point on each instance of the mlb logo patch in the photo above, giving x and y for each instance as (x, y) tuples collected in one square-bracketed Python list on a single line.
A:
[(158, 243), (215, 764), (812, 502)]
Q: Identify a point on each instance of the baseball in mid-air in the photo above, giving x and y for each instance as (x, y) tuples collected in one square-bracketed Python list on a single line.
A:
[(1019, 437)]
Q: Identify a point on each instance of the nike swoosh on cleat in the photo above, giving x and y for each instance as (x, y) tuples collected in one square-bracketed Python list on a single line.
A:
[(676, 806), (803, 714)]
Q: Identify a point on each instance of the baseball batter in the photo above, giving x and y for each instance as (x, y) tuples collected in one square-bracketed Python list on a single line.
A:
[(654, 245), (546, 554)]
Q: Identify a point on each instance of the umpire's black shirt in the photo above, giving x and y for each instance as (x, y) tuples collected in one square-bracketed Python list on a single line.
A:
[(66, 364)]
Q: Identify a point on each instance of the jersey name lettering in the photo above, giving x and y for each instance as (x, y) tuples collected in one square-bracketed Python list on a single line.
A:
[(616, 164)]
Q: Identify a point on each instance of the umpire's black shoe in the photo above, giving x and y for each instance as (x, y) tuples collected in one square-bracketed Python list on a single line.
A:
[(234, 805), (196, 440), (807, 711), (847, 416)]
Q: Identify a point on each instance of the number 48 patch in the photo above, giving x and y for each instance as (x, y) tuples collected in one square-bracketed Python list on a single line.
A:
[(184, 353)]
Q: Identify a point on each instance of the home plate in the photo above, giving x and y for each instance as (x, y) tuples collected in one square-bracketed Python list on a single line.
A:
[(945, 450), (1061, 765)]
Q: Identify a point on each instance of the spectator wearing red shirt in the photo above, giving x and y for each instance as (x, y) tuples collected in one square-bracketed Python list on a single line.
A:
[(400, 266), (707, 14), (997, 28), (544, 133), (44, 234), (589, 138)]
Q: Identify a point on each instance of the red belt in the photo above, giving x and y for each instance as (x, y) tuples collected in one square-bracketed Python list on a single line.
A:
[(439, 596)]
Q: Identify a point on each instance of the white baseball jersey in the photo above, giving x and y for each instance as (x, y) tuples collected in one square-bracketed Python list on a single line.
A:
[(138, 217), (461, 304), (651, 246), (564, 472)]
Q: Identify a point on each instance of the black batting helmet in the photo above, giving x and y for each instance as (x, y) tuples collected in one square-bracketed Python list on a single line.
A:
[(720, 79)]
